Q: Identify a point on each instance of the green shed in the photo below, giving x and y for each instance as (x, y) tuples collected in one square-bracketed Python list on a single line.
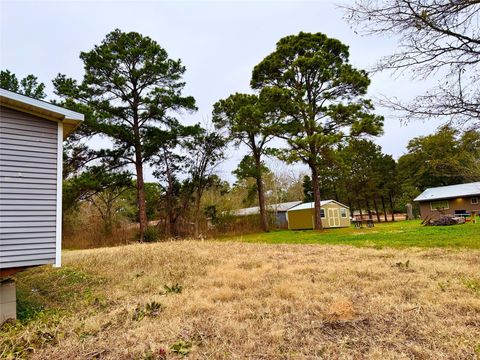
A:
[(334, 215)]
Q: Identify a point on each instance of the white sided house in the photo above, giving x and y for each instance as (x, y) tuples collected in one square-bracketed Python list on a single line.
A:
[(31, 152)]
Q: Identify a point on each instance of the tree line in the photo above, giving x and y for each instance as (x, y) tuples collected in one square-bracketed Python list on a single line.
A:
[(360, 175), (305, 93)]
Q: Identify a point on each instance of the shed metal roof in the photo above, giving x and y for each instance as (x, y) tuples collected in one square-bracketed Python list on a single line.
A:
[(284, 206), (71, 119), (246, 211), (273, 207), (451, 191), (311, 205)]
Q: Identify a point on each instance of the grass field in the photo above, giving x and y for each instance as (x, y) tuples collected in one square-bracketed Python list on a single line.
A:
[(234, 300), (400, 234)]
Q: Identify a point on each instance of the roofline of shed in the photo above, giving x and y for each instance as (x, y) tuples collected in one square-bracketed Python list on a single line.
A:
[(312, 202), (43, 109), (339, 203)]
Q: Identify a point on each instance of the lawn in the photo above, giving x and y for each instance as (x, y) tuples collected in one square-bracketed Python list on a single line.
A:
[(400, 234), (235, 300)]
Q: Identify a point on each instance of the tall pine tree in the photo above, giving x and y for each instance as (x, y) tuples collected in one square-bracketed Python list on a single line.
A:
[(319, 96), (134, 88)]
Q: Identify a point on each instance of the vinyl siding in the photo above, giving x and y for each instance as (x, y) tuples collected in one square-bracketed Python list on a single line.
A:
[(28, 171)]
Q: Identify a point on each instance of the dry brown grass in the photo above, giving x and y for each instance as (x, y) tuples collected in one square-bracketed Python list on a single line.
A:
[(273, 302)]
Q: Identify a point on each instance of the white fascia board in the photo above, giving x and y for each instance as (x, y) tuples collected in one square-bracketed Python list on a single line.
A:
[(39, 104)]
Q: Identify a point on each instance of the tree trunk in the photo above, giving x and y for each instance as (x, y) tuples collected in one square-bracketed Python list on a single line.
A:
[(261, 194), (376, 209), (107, 218), (171, 224), (169, 206), (170, 220), (360, 209), (350, 208), (335, 192), (168, 229), (391, 205), (384, 208), (368, 208), (317, 224), (198, 199), (142, 209)]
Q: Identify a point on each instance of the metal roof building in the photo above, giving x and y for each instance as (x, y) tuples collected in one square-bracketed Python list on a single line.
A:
[(280, 207), (279, 210), (457, 200), (451, 191)]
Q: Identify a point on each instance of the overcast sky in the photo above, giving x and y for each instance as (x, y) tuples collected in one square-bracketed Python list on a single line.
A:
[(218, 42)]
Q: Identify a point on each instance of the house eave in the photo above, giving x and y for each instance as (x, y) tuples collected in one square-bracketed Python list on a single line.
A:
[(446, 198), (43, 109)]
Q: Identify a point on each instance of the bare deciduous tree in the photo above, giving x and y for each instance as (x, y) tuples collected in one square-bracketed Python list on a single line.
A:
[(436, 37)]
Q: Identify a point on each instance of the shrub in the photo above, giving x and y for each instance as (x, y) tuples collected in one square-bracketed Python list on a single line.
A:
[(152, 234)]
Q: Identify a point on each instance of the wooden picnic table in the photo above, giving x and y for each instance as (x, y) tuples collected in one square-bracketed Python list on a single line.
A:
[(359, 223)]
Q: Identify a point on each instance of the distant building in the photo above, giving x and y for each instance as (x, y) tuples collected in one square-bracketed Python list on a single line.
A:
[(333, 214), (461, 199), (279, 210)]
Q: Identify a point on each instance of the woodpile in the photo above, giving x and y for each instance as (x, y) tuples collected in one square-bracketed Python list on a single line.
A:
[(445, 220)]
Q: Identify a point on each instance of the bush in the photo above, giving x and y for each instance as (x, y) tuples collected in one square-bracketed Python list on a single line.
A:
[(152, 234), (84, 229)]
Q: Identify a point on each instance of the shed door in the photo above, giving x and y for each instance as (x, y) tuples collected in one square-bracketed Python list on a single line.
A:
[(333, 217)]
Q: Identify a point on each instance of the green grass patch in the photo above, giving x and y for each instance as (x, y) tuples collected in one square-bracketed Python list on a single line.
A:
[(46, 297), (49, 287), (400, 234), (473, 285)]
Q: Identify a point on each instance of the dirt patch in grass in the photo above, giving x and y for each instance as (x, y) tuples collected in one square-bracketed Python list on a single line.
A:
[(237, 300)]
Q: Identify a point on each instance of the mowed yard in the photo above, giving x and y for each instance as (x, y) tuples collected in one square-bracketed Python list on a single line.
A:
[(399, 234), (242, 299)]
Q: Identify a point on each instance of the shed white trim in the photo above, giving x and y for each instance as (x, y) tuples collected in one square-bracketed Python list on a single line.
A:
[(58, 228)]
